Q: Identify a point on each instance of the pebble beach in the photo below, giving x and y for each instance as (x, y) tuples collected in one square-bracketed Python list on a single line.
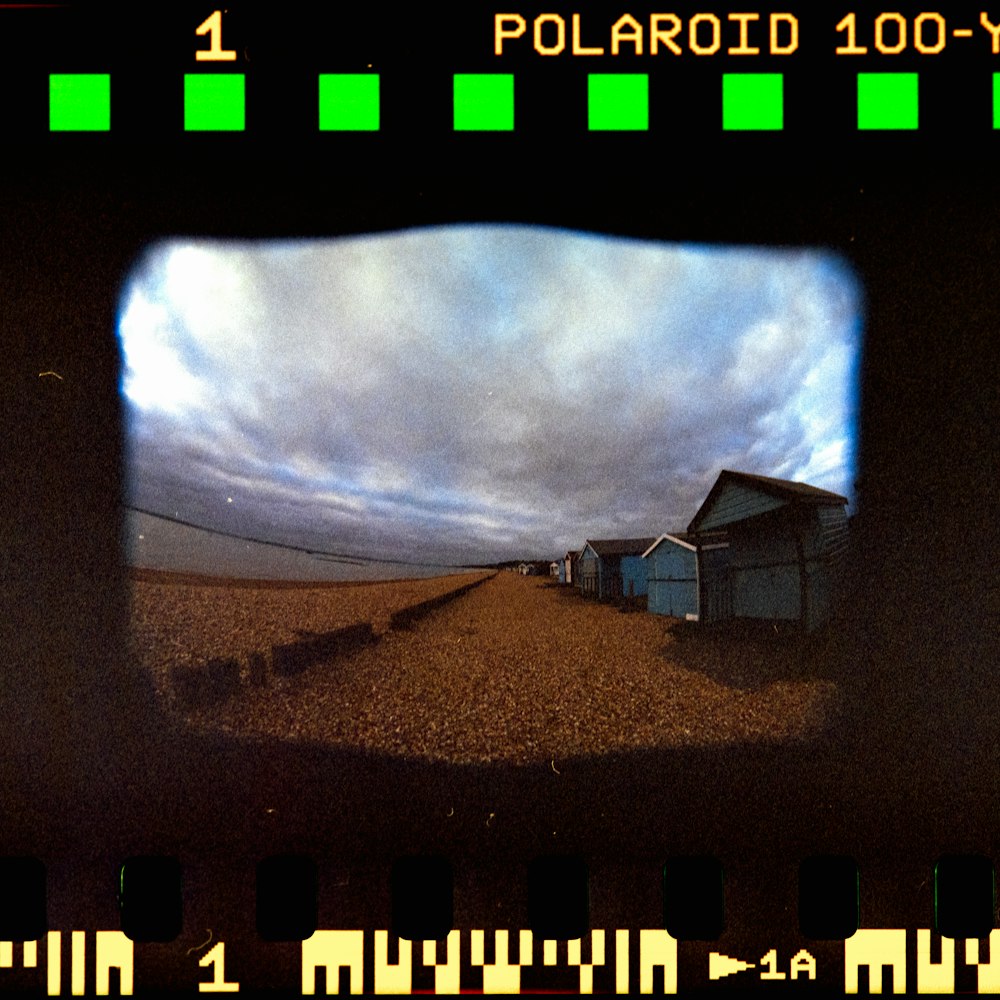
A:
[(519, 670)]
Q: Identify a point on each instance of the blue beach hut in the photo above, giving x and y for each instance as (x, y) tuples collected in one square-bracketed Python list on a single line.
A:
[(687, 576), (786, 545), (610, 569)]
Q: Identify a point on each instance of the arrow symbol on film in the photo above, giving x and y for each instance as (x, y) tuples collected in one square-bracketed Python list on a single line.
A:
[(723, 965)]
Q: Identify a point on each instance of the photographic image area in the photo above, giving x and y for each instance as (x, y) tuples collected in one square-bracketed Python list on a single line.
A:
[(490, 494)]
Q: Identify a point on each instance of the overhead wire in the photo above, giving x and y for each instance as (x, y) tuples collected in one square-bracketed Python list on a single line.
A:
[(343, 557)]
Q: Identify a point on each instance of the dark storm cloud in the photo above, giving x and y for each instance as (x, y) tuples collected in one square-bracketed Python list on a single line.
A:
[(478, 393)]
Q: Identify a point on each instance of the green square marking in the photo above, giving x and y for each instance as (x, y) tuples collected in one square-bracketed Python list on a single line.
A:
[(753, 102), (618, 102), (79, 102), (887, 100), (348, 102), (996, 100), (484, 102), (214, 102)]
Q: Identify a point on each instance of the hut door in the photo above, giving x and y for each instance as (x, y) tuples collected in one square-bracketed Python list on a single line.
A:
[(717, 595), (720, 603)]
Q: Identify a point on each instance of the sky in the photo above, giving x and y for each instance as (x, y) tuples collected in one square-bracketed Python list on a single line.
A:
[(471, 394)]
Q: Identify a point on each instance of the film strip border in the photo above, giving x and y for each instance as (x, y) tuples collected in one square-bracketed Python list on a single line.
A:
[(673, 76), (422, 950), (342, 957), (485, 102)]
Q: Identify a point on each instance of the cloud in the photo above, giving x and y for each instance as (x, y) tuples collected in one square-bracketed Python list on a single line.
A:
[(474, 393)]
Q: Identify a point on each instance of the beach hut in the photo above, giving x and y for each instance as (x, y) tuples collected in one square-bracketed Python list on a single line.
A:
[(610, 569), (566, 565), (687, 576), (553, 569), (786, 544)]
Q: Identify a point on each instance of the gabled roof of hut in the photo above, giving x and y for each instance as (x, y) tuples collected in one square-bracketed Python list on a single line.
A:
[(620, 546), (704, 539), (781, 489)]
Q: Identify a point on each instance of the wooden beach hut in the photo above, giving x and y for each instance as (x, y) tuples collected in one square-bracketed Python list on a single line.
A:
[(566, 565), (688, 576), (786, 544), (610, 569)]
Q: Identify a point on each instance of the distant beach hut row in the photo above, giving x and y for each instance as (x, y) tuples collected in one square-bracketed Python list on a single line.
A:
[(757, 548)]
